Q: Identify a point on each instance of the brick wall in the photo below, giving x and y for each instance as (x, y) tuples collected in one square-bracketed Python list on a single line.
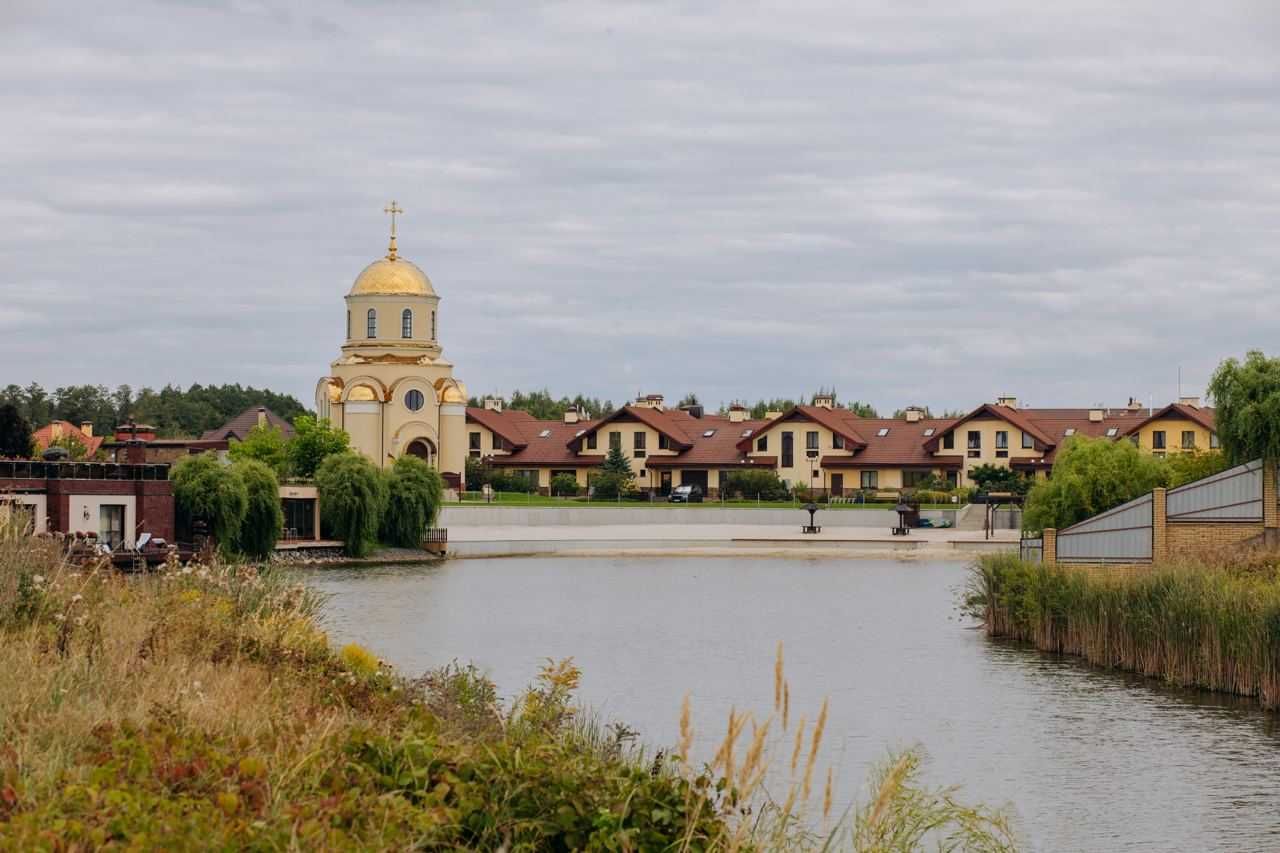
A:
[(154, 500), (1188, 536)]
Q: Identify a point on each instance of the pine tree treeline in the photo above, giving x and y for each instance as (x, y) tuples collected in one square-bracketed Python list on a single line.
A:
[(543, 406), (171, 410)]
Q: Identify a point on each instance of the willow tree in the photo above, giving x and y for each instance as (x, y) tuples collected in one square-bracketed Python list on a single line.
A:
[(263, 519), (1091, 475), (206, 490), (414, 493), (1246, 399), (352, 496)]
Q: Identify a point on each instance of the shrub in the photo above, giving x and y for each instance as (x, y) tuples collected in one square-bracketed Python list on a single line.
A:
[(206, 490), (510, 481), (352, 497), (264, 518), (414, 492), (1187, 467), (608, 485), (753, 483), (564, 485), (313, 441)]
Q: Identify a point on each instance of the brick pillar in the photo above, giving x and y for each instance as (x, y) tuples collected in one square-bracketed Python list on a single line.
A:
[(1159, 526), (1049, 553), (1270, 498)]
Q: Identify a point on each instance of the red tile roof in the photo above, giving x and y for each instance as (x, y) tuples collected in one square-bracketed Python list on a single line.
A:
[(239, 426), (44, 436), (1203, 416), (675, 424), (842, 422)]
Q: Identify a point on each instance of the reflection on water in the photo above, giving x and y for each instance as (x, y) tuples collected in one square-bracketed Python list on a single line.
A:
[(1090, 760)]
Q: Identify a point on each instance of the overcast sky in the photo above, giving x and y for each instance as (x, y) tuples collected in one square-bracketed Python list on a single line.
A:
[(911, 203)]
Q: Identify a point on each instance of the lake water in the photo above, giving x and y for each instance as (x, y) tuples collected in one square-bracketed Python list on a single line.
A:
[(1087, 759)]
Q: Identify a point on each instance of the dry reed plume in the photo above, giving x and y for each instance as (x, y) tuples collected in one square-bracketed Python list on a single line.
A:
[(902, 815)]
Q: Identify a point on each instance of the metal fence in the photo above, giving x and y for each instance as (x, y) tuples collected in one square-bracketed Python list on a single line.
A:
[(1122, 534), (32, 469), (1232, 495), (1031, 550)]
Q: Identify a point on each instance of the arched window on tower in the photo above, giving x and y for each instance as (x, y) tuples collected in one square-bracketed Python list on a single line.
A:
[(371, 329), (406, 324), (433, 325)]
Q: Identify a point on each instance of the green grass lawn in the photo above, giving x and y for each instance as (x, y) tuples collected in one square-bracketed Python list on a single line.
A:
[(517, 499)]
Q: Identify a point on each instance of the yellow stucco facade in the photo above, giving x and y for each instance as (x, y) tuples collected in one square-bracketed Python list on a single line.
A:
[(1175, 435)]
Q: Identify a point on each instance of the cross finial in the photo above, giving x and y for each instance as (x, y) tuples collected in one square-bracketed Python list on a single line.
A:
[(392, 209)]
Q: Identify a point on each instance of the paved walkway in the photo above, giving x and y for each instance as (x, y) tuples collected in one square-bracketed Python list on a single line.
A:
[(679, 539)]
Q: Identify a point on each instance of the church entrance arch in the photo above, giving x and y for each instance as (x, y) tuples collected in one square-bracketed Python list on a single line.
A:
[(424, 449)]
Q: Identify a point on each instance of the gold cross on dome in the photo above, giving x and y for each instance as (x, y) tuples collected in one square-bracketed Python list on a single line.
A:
[(392, 209)]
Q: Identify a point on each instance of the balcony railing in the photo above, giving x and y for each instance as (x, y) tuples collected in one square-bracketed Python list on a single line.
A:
[(34, 469)]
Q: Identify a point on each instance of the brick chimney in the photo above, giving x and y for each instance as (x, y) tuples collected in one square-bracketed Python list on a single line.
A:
[(1007, 401), (824, 401), (571, 415), (86, 427), (1193, 402), (1135, 405), (262, 416), (914, 414), (493, 404), (737, 413), (1095, 416), (771, 416)]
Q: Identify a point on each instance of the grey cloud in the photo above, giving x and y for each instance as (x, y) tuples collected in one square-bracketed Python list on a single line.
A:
[(915, 205)]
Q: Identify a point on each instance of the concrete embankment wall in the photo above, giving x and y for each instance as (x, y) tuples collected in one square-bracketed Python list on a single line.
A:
[(545, 516)]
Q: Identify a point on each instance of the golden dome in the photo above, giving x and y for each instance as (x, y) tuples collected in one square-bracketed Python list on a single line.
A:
[(392, 276)]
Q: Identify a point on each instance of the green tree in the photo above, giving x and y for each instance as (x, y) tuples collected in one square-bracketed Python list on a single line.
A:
[(997, 478), (206, 490), (264, 518), (614, 478), (564, 485), (15, 434), (1091, 475), (414, 493), (265, 444), (352, 497), (1246, 398), (313, 441)]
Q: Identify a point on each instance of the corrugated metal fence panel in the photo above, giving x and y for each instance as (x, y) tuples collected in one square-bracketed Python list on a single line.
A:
[(1032, 550), (1123, 533), (1233, 495)]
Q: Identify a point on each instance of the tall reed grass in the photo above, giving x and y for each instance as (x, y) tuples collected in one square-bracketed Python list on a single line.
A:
[(1210, 620), (201, 707)]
